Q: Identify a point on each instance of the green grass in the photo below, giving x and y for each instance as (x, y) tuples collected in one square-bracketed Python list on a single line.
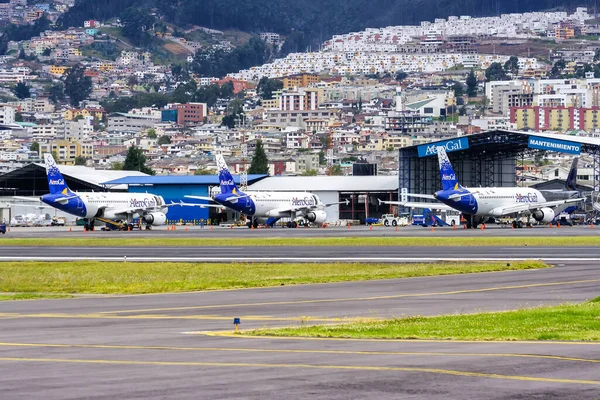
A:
[(564, 322), (100, 241), (32, 296), (131, 278)]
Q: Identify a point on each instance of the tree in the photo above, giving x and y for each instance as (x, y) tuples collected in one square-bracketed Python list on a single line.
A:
[(557, 68), (77, 86), (136, 161), (47, 51), (152, 133), (117, 166), (472, 84), (512, 65), (164, 140), (79, 160), (136, 22), (57, 93), (322, 159), (18, 117), (336, 170), (260, 163), (310, 172), (204, 171), (400, 76), (266, 87), (21, 90), (458, 89), (55, 156), (495, 72), (227, 90), (35, 146)]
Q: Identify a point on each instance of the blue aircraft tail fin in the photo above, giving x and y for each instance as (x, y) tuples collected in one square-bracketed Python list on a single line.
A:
[(225, 178), (56, 182), (449, 180), (571, 182)]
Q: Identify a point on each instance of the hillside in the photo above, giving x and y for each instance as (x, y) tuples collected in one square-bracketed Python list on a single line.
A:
[(307, 22)]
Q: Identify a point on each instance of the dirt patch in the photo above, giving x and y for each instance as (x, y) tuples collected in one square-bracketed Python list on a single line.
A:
[(176, 49)]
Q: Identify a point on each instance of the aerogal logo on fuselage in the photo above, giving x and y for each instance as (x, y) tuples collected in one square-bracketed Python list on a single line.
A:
[(307, 201), (526, 198), (142, 203)]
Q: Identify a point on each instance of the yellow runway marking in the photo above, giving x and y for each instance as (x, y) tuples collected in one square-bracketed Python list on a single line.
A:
[(230, 334), (397, 296), (306, 366), (337, 352), (192, 317)]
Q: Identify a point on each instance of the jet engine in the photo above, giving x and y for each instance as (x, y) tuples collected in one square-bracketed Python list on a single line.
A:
[(317, 217), (545, 215), (155, 218)]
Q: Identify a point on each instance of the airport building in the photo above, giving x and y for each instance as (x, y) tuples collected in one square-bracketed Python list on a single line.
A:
[(493, 158), (175, 188), (361, 192)]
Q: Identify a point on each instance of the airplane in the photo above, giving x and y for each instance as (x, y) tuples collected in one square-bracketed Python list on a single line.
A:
[(100, 207), (477, 204), (267, 207)]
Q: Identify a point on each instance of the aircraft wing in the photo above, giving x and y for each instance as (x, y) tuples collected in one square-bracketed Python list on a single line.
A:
[(206, 198), (519, 208), (346, 202), (420, 196), (419, 204), (181, 203)]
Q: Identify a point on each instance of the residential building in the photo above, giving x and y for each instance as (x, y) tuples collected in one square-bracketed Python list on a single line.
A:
[(129, 122), (67, 150), (189, 113), (299, 80)]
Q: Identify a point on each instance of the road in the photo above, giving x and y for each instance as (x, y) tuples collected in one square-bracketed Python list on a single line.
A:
[(181, 346), (300, 253)]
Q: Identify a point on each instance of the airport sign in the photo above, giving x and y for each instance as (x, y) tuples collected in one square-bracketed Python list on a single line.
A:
[(561, 146), (430, 149)]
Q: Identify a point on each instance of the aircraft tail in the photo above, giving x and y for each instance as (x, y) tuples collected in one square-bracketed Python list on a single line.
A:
[(225, 177), (56, 182), (571, 182), (449, 180)]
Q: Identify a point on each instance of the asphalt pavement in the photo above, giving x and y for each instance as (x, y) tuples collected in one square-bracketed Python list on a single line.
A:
[(182, 346), (300, 253)]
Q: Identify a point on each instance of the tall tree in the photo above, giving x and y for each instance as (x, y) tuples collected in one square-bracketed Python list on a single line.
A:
[(266, 87), (21, 90), (495, 72), (472, 84), (136, 161), (136, 22), (35, 146), (512, 65), (164, 140), (77, 86), (57, 92), (260, 163), (79, 160)]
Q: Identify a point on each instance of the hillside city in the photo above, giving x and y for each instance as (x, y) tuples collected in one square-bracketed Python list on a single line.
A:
[(87, 93)]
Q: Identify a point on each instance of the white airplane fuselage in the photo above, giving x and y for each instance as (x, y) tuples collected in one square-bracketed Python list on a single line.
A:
[(486, 201)]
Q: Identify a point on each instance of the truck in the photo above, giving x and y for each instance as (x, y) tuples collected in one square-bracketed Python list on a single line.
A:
[(392, 220)]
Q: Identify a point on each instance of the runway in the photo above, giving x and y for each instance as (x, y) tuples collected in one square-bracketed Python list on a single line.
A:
[(181, 345), (354, 231), (384, 254)]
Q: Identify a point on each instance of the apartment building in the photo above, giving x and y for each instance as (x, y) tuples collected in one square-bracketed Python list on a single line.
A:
[(560, 118), (131, 122), (279, 119), (7, 115), (67, 150), (189, 113), (299, 80)]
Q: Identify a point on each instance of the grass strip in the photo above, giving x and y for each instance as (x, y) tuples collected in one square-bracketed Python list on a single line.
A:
[(579, 322), (133, 278), (32, 296), (103, 241)]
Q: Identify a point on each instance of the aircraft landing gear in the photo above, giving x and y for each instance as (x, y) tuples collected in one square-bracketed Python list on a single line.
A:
[(292, 224), (89, 225), (517, 224)]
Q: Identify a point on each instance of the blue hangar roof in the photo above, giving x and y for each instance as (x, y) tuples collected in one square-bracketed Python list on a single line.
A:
[(178, 180)]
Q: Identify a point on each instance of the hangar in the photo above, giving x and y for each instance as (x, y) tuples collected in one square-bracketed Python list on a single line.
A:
[(361, 192), (491, 158), (174, 188)]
